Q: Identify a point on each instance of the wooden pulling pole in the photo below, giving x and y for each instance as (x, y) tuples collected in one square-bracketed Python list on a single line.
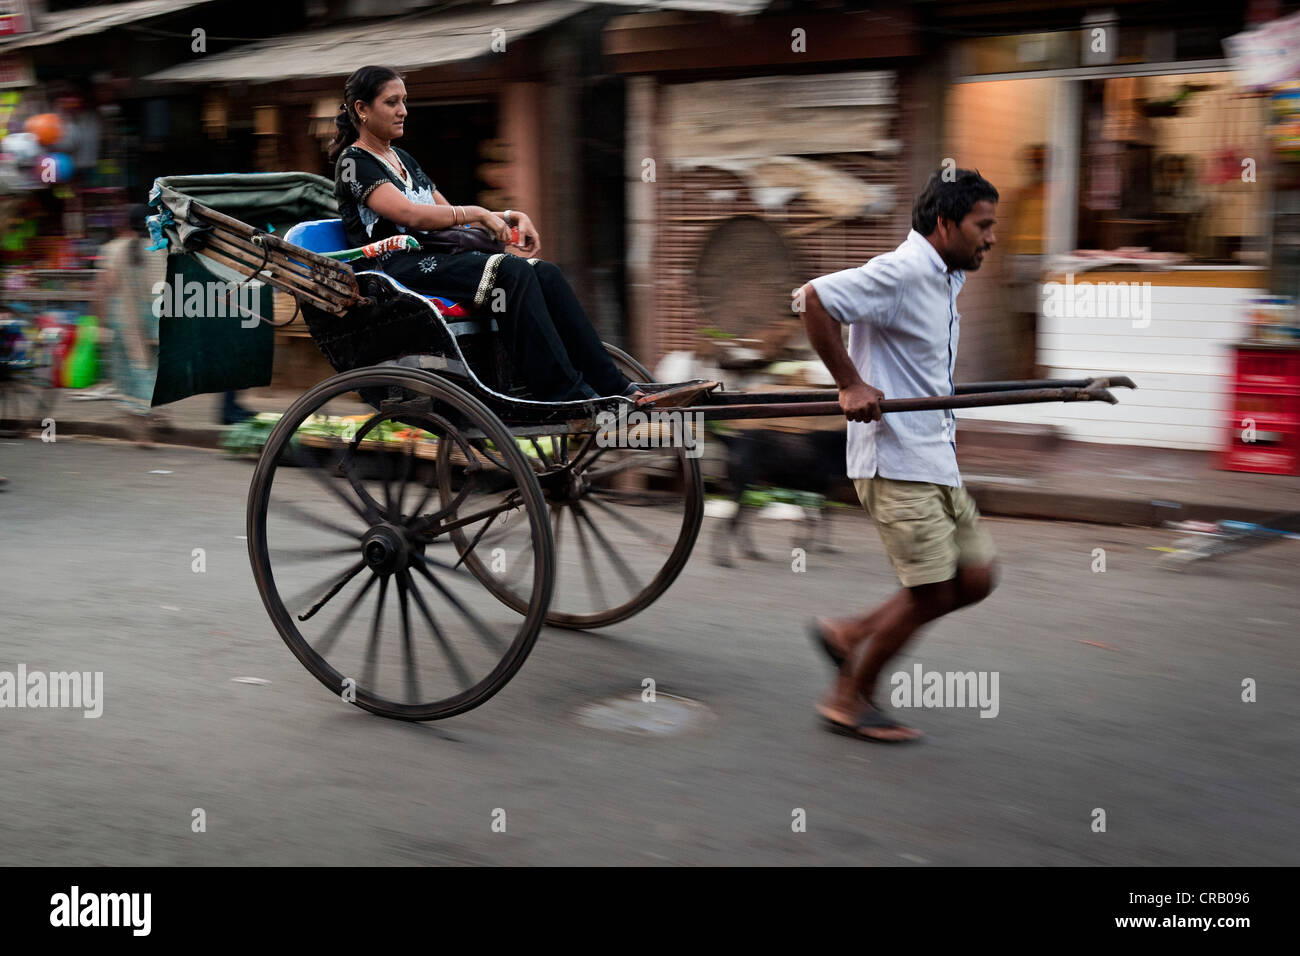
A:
[(1093, 392), (226, 259), (276, 265), (969, 388)]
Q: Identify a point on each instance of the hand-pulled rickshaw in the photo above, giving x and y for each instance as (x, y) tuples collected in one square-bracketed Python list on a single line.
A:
[(410, 560)]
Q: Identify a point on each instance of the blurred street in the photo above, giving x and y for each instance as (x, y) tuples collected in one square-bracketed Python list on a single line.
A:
[(420, 300), (1119, 690)]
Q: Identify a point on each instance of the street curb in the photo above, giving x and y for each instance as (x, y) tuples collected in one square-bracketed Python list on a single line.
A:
[(981, 436), (1095, 509), (191, 437)]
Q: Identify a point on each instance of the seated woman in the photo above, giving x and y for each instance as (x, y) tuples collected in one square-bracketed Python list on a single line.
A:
[(382, 191)]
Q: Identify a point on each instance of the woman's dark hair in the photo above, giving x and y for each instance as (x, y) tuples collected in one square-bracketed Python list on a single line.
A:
[(363, 85), (952, 198)]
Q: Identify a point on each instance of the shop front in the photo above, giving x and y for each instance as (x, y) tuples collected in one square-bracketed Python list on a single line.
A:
[(81, 138), (61, 199), (761, 151), (1137, 183)]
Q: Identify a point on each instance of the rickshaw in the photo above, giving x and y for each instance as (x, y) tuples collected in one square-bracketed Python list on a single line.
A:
[(422, 483)]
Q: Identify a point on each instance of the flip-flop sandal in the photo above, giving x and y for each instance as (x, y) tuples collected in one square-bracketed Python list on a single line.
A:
[(675, 396), (871, 719), (819, 638)]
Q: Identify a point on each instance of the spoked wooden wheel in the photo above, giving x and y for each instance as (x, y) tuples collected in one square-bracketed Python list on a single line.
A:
[(624, 521), (353, 555)]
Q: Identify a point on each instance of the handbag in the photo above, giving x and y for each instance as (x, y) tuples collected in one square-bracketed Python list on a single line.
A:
[(461, 239)]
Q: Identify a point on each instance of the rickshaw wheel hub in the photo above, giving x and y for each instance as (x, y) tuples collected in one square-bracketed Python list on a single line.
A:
[(384, 548), (563, 486)]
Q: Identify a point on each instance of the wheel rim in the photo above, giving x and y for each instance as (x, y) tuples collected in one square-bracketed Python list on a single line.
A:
[(353, 557), (623, 520)]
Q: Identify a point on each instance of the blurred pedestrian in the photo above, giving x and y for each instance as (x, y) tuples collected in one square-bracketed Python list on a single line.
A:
[(128, 273), (232, 413), (902, 312)]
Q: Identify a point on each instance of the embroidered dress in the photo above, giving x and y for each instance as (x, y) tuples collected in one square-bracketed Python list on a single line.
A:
[(550, 340)]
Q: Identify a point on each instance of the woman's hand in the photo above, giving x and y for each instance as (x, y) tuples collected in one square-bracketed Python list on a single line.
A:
[(489, 221), (530, 243)]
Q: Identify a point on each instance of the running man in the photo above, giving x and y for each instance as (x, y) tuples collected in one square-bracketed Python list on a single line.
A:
[(902, 311)]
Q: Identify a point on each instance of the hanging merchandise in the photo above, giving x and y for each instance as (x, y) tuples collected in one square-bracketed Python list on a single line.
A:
[(21, 146), (81, 370), (45, 127), (1284, 130), (9, 100), (59, 336)]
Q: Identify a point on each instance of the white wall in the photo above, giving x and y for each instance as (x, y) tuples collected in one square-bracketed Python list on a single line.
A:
[(1181, 363)]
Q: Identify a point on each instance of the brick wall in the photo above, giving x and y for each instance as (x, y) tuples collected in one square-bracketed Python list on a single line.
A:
[(691, 205)]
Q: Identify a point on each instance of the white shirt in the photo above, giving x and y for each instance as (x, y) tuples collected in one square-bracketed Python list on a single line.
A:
[(904, 326)]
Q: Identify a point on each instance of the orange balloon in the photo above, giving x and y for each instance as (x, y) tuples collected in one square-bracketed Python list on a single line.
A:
[(45, 127)]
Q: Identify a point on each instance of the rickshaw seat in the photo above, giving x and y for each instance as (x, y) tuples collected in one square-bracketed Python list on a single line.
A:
[(326, 235)]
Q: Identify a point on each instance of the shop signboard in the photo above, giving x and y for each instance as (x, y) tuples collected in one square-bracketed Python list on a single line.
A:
[(14, 18)]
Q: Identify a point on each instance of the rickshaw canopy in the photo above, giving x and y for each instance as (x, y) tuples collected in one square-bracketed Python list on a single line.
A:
[(209, 340)]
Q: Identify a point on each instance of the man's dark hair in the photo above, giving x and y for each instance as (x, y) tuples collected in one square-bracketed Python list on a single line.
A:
[(953, 200)]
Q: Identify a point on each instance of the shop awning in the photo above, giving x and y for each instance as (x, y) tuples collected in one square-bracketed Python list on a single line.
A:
[(54, 27), (404, 43)]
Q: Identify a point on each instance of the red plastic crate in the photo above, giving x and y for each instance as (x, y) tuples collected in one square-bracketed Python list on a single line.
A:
[(1276, 369), (1263, 456), (1265, 389)]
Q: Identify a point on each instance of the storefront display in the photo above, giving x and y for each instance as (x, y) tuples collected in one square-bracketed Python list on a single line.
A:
[(1153, 219), (55, 214)]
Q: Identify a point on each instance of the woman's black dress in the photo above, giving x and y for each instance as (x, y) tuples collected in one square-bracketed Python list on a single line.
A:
[(550, 340)]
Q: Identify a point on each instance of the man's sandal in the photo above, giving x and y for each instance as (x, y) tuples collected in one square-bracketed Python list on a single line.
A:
[(871, 719), (837, 657)]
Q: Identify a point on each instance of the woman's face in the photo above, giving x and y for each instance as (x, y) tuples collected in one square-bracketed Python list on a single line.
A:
[(385, 116)]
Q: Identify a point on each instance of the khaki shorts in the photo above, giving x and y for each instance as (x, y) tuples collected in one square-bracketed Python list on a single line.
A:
[(928, 530)]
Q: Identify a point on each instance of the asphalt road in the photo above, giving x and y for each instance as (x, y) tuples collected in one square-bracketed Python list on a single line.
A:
[(1118, 690)]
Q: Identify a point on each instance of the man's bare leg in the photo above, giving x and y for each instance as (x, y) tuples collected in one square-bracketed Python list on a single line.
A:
[(893, 624), (903, 616), (846, 633), (974, 582)]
